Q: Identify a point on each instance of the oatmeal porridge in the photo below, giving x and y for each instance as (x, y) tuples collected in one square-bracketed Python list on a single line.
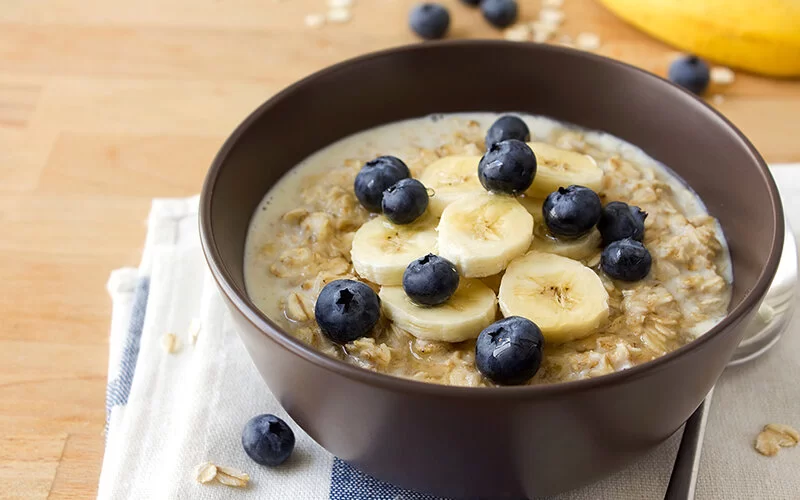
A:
[(650, 275)]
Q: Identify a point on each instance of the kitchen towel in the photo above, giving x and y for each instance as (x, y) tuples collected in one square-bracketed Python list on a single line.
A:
[(169, 412)]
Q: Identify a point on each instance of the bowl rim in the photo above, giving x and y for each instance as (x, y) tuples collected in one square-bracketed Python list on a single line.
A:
[(274, 332)]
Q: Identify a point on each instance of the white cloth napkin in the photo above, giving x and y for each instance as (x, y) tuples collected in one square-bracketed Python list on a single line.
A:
[(168, 413)]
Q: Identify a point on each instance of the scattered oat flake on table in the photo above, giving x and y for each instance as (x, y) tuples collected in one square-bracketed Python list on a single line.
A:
[(551, 16), (767, 445), (543, 26), (518, 33), (339, 15), (205, 472), (339, 3), (587, 41), (542, 32), (718, 99), (552, 3), (170, 343), (566, 41), (315, 20), (789, 435), (194, 330), (775, 436), (541, 36), (232, 477), (722, 75)]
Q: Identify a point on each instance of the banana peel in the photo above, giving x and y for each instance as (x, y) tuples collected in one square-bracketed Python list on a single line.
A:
[(757, 36)]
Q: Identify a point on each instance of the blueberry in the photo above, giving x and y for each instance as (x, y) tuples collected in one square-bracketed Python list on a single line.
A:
[(509, 351), (375, 177), (430, 280), (626, 260), (691, 73), (500, 13), (267, 440), (471, 3), (346, 310), (620, 220), (405, 201), (505, 128), (507, 167), (429, 20), (572, 211)]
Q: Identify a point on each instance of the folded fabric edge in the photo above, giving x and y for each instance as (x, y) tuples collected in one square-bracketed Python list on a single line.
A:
[(162, 219), (162, 223), (119, 388), (121, 287), (122, 280)]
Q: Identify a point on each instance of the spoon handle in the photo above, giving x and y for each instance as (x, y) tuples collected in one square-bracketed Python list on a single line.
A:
[(683, 481)]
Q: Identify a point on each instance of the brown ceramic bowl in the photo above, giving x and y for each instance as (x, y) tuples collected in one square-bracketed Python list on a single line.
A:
[(510, 441)]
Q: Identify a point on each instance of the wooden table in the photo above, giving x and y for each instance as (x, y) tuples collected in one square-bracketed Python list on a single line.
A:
[(105, 104)]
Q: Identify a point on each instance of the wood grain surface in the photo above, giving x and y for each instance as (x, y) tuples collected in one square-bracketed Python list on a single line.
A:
[(105, 104)]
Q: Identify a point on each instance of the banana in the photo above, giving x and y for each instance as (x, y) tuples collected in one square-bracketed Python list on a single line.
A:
[(565, 298), (381, 250), (451, 178), (762, 36), (483, 232), (471, 309), (534, 207), (557, 168), (578, 248)]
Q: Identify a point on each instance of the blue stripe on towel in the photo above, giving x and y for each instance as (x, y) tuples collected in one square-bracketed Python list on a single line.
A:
[(348, 483), (119, 389)]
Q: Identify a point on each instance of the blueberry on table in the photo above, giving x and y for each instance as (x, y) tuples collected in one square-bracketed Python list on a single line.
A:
[(507, 167), (509, 351), (405, 201), (572, 211), (626, 260), (430, 280), (429, 20), (471, 3), (499, 13), (347, 310), (375, 177), (507, 127), (619, 221), (268, 440), (691, 73)]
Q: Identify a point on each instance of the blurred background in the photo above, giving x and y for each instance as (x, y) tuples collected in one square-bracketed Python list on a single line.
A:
[(105, 105)]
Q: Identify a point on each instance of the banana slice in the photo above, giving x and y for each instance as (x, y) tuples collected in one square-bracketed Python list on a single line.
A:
[(471, 309), (483, 232), (381, 250), (534, 207), (451, 178), (557, 167), (565, 298), (578, 248)]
